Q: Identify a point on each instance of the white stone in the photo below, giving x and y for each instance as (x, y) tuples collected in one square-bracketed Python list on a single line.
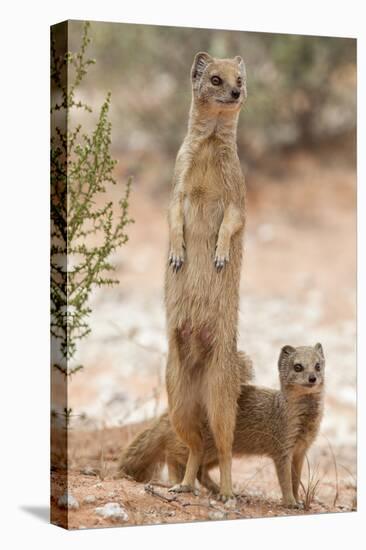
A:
[(217, 514), (68, 501), (112, 510)]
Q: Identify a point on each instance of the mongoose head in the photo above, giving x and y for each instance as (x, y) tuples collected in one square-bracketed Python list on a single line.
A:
[(302, 368), (219, 84)]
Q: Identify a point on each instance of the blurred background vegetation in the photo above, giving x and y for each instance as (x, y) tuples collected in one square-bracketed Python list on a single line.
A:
[(301, 89)]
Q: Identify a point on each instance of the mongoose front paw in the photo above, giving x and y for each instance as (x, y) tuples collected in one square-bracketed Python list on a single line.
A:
[(176, 259), (221, 259)]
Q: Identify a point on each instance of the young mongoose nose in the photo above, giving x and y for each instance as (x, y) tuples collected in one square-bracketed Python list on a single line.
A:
[(235, 93), (312, 378)]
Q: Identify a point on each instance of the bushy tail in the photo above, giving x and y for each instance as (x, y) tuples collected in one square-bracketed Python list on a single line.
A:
[(146, 451)]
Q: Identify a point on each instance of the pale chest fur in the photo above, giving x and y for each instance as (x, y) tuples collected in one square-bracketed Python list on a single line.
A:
[(209, 186), (304, 417)]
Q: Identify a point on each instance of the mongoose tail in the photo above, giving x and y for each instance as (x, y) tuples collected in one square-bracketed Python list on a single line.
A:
[(146, 452)]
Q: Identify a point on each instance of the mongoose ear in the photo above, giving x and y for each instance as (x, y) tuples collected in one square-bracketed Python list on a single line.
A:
[(285, 353), (201, 60), (319, 348), (240, 62)]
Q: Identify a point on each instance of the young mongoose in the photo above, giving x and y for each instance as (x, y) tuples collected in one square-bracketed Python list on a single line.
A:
[(206, 223), (280, 424)]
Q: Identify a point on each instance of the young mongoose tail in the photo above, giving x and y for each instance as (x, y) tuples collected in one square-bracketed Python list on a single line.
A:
[(206, 224), (281, 424)]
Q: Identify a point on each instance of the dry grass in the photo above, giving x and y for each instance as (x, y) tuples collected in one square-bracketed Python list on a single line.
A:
[(310, 488)]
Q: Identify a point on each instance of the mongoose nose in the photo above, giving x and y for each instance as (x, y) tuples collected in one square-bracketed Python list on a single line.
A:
[(312, 378), (235, 93)]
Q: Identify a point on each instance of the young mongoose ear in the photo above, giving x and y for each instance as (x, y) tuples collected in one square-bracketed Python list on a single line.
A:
[(201, 60), (285, 353), (240, 62), (319, 348)]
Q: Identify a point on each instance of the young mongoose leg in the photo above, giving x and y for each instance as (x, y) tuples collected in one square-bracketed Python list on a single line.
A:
[(231, 223), (297, 463), (206, 480), (176, 222), (283, 467), (175, 471)]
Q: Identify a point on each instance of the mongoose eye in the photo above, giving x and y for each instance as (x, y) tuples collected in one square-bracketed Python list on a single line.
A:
[(239, 82), (298, 367), (317, 367), (216, 80)]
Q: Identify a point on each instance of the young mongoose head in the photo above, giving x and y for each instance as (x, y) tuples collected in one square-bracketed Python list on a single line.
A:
[(302, 369), (218, 84)]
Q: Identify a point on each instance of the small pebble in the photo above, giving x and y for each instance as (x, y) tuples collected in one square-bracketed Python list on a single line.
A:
[(89, 499), (215, 515), (88, 471), (231, 503), (68, 501)]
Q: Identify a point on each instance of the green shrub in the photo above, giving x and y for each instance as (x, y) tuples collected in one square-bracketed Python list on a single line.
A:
[(86, 225)]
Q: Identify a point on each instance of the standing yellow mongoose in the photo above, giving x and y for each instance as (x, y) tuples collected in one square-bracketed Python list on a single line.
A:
[(281, 424), (206, 223)]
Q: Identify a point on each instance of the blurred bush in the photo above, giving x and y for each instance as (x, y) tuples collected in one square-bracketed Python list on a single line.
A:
[(301, 89)]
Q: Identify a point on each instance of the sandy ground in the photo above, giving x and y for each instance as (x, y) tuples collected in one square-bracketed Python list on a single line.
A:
[(93, 458), (298, 287)]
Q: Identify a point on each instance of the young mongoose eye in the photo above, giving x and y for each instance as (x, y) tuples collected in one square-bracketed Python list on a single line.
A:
[(298, 367), (239, 82), (317, 367), (216, 80)]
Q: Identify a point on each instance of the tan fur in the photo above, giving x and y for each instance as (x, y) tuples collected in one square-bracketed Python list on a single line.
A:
[(148, 450), (206, 222), (281, 424)]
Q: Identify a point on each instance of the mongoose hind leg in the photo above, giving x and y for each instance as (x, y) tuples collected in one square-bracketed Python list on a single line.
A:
[(221, 404), (184, 407), (193, 464)]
